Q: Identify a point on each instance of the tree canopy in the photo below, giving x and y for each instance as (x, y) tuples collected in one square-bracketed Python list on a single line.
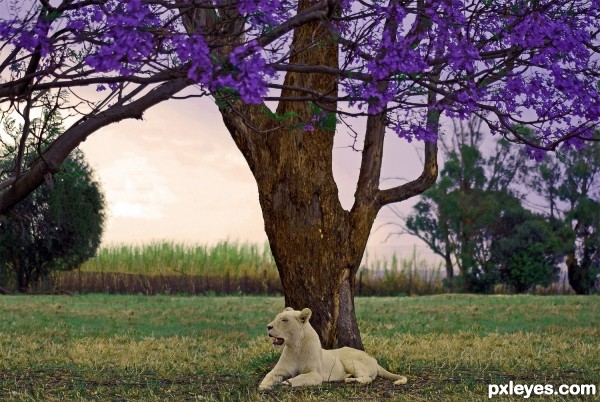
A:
[(509, 62)]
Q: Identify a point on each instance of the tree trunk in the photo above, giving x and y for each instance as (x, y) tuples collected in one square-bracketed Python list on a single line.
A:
[(449, 268), (580, 276), (22, 276), (317, 245)]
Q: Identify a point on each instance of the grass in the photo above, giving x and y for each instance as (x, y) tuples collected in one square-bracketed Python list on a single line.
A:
[(103, 347)]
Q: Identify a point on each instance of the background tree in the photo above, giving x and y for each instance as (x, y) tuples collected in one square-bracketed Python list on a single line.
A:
[(59, 225), (526, 250), (569, 185), (405, 64), (487, 234), (455, 216)]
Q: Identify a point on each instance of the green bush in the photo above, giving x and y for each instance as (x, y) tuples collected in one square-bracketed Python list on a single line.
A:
[(56, 228), (529, 252)]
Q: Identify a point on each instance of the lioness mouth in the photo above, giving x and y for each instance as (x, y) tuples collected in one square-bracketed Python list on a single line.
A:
[(277, 341)]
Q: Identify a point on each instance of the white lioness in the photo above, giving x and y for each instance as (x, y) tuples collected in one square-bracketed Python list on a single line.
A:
[(304, 362)]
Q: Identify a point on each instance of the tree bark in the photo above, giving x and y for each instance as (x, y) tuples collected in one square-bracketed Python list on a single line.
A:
[(22, 276), (449, 267), (580, 276)]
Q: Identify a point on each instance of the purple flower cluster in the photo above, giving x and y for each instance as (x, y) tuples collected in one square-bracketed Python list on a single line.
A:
[(129, 44), (30, 36), (128, 40), (519, 62), (556, 90), (193, 49), (246, 73), (262, 12), (415, 131)]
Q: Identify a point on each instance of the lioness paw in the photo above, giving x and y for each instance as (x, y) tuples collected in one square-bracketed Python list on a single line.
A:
[(287, 383), (264, 387)]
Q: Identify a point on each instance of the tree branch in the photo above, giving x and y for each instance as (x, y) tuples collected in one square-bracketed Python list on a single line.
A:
[(372, 157), (430, 166), (72, 137)]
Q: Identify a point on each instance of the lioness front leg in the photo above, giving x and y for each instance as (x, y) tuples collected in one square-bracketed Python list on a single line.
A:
[(312, 378), (273, 378)]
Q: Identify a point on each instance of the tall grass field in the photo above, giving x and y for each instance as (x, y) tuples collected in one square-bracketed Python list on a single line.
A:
[(165, 257), (100, 347), (227, 267)]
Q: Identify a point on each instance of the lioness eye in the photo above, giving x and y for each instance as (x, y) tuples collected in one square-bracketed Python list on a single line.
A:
[(284, 320)]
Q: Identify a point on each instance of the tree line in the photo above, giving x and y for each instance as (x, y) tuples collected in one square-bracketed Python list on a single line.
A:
[(497, 217)]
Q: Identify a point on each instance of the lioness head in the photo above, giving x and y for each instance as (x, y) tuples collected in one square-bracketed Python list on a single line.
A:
[(288, 325)]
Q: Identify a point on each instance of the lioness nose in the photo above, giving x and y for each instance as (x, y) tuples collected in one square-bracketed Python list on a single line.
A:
[(269, 327)]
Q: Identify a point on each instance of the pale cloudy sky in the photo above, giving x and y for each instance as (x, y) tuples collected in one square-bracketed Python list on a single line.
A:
[(177, 175)]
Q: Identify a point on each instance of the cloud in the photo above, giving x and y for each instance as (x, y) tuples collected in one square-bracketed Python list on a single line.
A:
[(135, 189), (121, 209)]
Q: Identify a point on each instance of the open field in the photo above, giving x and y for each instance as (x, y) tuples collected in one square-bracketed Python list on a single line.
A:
[(117, 348)]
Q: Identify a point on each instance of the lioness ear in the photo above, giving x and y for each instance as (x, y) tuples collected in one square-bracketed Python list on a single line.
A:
[(288, 309), (304, 315)]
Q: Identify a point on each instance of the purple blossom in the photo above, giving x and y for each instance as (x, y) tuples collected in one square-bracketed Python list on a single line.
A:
[(535, 153), (27, 37), (248, 74), (413, 131), (192, 49), (76, 24), (262, 12), (128, 42), (520, 62)]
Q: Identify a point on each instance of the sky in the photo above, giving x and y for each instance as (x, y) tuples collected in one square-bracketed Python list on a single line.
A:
[(177, 175)]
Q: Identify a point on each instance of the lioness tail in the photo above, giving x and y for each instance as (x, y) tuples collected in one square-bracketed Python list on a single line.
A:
[(381, 372)]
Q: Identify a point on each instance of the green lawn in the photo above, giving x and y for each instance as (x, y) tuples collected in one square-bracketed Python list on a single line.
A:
[(107, 347)]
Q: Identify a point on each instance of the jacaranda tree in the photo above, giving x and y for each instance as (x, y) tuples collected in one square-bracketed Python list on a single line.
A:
[(405, 65)]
